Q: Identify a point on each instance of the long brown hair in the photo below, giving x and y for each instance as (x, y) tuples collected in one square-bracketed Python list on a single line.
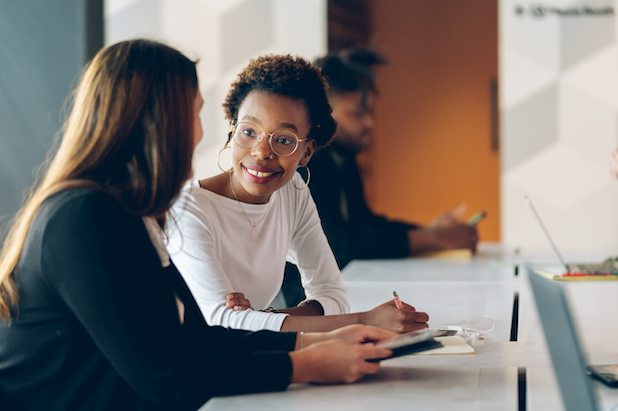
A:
[(129, 133)]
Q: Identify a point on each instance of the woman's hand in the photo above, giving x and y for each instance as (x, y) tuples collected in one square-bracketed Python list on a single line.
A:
[(237, 302), (387, 316), (335, 361), (356, 333)]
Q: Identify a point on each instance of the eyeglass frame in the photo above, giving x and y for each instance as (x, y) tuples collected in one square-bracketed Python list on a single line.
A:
[(233, 128)]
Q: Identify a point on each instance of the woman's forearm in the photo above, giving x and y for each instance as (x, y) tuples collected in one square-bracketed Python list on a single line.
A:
[(318, 323), (307, 308)]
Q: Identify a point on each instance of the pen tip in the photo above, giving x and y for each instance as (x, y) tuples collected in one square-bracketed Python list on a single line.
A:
[(395, 293)]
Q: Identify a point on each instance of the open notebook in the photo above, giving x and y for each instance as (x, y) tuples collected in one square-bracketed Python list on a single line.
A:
[(566, 355), (429, 341), (606, 270), (451, 345)]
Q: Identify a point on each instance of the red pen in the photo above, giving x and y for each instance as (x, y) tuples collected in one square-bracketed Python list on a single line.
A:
[(397, 301)]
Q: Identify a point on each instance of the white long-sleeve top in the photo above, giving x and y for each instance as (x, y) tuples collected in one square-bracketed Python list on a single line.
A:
[(210, 243)]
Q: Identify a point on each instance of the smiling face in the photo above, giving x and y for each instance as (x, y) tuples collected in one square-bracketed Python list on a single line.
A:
[(259, 171)]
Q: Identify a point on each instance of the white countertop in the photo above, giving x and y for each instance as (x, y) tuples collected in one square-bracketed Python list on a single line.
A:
[(453, 292)]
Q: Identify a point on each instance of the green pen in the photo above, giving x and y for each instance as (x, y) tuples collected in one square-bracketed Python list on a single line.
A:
[(477, 218)]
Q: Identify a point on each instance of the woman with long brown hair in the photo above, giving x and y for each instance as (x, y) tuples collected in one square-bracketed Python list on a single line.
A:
[(92, 313)]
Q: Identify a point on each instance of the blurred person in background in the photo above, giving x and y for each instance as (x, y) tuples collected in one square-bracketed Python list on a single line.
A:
[(352, 229)]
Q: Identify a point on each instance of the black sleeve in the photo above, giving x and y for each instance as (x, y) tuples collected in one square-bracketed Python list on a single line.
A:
[(362, 235), (101, 263)]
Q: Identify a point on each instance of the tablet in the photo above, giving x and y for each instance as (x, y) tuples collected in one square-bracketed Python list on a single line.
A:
[(411, 342)]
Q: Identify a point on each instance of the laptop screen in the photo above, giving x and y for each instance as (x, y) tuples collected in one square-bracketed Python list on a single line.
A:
[(564, 348)]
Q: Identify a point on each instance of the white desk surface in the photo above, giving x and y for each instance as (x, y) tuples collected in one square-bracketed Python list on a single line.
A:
[(488, 265), (453, 292)]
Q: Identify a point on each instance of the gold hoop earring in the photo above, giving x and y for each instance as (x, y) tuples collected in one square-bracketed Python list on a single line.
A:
[(219, 155), (308, 179)]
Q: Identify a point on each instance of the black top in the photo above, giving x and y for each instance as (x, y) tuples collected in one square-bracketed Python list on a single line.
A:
[(98, 326), (353, 231)]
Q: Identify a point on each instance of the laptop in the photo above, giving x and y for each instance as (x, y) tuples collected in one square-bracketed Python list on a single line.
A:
[(610, 265), (566, 355)]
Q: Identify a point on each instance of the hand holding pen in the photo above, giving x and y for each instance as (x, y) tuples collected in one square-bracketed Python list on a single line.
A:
[(397, 301), (395, 315)]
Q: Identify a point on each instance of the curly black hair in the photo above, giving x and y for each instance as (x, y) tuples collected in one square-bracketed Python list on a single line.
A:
[(351, 70), (289, 76)]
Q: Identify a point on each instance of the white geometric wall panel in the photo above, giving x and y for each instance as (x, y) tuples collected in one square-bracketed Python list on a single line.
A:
[(559, 115), (223, 35), (530, 126)]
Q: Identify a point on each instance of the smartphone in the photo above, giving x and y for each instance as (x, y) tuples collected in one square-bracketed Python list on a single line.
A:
[(409, 338), (607, 374), (477, 218)]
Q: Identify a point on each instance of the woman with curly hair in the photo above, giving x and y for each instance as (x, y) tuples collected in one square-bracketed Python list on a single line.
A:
[(235, 231), (93, 316)]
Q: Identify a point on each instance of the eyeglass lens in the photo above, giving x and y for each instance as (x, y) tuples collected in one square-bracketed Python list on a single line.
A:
[(282, 142)]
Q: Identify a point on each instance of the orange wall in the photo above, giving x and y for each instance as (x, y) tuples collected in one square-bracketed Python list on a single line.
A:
[(431, 144)]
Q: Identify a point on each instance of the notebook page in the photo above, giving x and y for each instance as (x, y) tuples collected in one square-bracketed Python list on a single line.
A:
[(452, 345)]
